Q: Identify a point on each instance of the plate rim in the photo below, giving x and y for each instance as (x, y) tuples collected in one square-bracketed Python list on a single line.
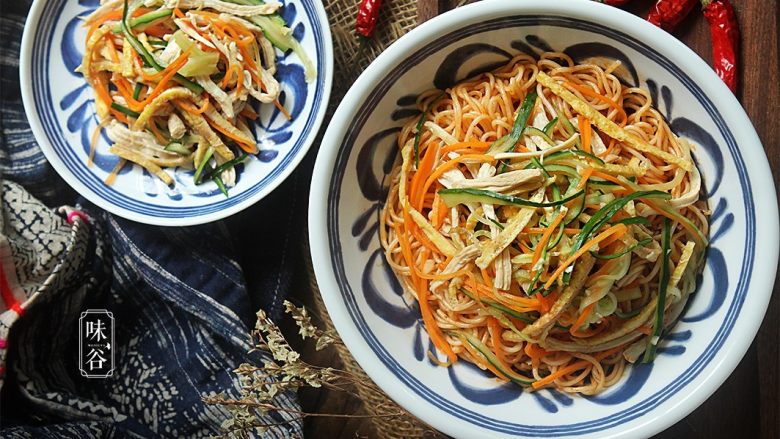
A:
[(31, 112)]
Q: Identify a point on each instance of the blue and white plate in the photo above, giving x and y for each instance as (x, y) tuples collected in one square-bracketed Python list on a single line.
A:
[(60, 108), (384, 331)]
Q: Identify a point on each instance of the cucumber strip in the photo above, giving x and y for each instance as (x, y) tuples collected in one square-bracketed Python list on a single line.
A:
[(563, 169), (453, 197), (568, 127), (605, 214), (137, 90), (491, 358), (125, 110), (281, 36), (641, 243), (577, 209), (220, 185), (535, 163), (555, 241), (508, 142), (549, 128), (634, 220), (533, 131), (658, 326), (202, 164), (581, 153), (147, 18), (223, 167), (627, 315), (149, 59), (498, 224), (523, 317), (178, 148)]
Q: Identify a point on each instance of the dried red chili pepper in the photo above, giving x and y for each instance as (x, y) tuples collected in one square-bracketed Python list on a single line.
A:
[(724, 31), (613, 2), (667, 14), (367, 16)]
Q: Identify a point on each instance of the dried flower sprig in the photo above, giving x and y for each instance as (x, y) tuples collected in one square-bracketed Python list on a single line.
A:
[(261, 384)]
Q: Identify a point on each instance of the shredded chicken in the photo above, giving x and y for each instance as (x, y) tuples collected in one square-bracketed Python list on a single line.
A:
[(176, 126), (528, 179), (230, 8), (464, 257)]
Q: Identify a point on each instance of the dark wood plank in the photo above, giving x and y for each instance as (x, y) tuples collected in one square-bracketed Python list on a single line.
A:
[(427, 9), (747, 404)]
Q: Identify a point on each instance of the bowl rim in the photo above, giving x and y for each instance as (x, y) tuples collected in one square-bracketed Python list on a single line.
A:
[(31, 112), (739, 124)]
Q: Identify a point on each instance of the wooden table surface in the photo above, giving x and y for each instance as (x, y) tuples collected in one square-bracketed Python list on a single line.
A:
[(748, 403)]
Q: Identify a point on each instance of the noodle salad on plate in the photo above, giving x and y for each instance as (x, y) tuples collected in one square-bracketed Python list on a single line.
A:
[(177, 82), (547, 221)]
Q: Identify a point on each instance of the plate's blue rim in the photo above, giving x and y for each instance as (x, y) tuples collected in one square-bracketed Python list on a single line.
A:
[(473, 417), (41, 55)]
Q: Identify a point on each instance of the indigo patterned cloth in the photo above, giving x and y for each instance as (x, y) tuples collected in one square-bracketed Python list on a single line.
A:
[(179, 297)]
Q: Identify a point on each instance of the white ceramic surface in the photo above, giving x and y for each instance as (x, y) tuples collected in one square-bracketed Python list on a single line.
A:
[(60, 108), (384, 332)]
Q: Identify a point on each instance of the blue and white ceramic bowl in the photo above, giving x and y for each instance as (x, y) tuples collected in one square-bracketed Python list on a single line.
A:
[(60, 108), (384, 332)]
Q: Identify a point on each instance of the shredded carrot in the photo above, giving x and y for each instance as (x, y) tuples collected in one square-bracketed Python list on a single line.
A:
[(426, 165), (251, 149), (610, 148), (282, 109), (194, 110), (585, 132), (94, 140), (101, 90), (486, 278), (575, 328), (248, 113), (543, 242), (541, 230), (584, 177), (620, 229), (434, 332), (647, 330), (156, 131), (446, 166), (544, 302), (234, 68), (610, 240), (574, 367), (478, 357), (114, 172), (442, 212), (615, 180), (169, 71), (520, 304), (112, 48), (470, 144), (495, 337), (158, 30), (560, 373), (535, 353)]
